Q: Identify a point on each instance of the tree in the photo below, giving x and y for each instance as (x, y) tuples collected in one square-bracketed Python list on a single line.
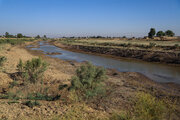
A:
[(38, 36), (152, 33), (169, 33), (160, 34), (44, 36), (19, 35), (6, 34)]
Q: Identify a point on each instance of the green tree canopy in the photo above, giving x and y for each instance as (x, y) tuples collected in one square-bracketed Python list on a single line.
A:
[(38, 36), (152, 33), (6, 34), (160, 34), (169, 33), (44, 36), (19, 35)]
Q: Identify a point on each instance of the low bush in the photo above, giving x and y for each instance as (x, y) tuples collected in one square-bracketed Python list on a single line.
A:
[(88, 81), (12, 102), (151, 45), (10, 95), (39, 96), (175, 46), (32, 70), (31, 104), (148, 107)]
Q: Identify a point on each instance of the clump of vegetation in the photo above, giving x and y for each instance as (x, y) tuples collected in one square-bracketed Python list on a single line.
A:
[(151, 33), (160, 34), (12, 84), (32, 70), (88, 81), (15, 41), (38, 37), (175, 46), (2, 60), (12, 102), (169, 33), (148, 107), (120, 116), (31, 104), (39, 96), (151, 45), (10, 95)]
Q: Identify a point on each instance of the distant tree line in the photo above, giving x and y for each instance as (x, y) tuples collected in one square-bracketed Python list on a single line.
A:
[(168, 33), (20, 35)]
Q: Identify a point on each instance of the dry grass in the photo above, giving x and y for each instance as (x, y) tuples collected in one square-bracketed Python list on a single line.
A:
[(144, 42), (171, 45)]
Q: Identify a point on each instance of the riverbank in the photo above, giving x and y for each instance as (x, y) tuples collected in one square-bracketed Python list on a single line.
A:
[(149, 53), (121, 89)]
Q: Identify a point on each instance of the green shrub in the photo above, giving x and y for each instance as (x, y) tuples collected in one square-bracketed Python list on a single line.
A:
[(31, 104), (32, 70), (39, 96), (10, 95), (88, 81), (129, 44), (152, 45), (148, 107), (11, 102), (176, 46), (2, 60)]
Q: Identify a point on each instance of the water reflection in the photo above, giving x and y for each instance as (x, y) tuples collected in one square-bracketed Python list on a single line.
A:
[(155, 71)]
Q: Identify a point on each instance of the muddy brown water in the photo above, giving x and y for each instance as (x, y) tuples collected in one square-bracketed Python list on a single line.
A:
[(155, 71)]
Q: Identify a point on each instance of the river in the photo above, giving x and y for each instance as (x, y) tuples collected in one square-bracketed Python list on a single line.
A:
[(155, 71)]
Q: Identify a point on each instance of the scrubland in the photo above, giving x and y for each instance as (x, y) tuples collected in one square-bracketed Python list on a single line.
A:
[(35, 86)]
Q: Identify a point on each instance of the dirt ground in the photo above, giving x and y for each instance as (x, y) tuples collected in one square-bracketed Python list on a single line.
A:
[(122, 87)]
